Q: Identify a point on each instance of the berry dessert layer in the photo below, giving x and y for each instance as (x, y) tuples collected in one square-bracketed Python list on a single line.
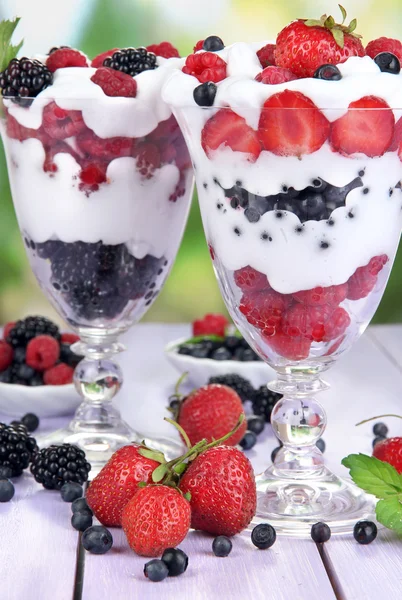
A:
[(297, 146), (100, 175)]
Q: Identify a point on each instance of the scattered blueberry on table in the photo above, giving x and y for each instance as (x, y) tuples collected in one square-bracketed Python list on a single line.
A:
[(320, 533), (365, 532), (263, 536), (222, 546), (176, 561), (7, 490), (71, 490), (97, 539), (156, 570)]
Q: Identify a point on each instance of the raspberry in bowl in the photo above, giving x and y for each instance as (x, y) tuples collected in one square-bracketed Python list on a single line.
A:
[(101, 182), (298, 156), (36, 369)]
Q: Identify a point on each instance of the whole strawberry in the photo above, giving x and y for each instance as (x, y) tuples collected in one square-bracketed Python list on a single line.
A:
[(156, 518), (390, 451), (118, 482), (223, 492), (304, 45), (210, 413)]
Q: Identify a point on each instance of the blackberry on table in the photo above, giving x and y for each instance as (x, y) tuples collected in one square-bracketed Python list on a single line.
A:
[(131, 61), (239, 384), (57, 465), (264, 401), (26, 329), (24, 78), (16, 447)]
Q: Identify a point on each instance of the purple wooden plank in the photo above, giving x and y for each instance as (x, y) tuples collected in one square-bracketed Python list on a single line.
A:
[(38, 545), (290, 569)]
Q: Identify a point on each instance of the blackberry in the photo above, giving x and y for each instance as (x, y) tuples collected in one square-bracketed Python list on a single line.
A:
[(24, 78), (16, 448), (57, 465), (239, 384), (26, 329), (131, 61), (264, 401)]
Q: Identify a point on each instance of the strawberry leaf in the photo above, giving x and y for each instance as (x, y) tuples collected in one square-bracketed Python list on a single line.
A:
[(313, 23), (338, 36), (329, 22), (344, 13), (352, 25), (187, 496), (374, 476), (389, 513), (152, 454), (7, 50), (159, 473)]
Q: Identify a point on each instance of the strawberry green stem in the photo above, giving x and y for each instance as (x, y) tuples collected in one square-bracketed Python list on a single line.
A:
[(228, 435), (180, 429), (378, 417), (178, 384)]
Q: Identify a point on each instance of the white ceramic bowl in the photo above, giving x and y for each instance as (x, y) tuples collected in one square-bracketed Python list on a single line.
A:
[(201, 369), (43, 400)]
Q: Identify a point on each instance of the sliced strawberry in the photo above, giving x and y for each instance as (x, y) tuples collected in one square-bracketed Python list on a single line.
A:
[(367, 127), (266, 55), (273, 75), (226, 128), (301, 130)]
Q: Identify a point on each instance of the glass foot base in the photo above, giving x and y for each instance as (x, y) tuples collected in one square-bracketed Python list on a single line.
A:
[(99, 445), (293, 505)]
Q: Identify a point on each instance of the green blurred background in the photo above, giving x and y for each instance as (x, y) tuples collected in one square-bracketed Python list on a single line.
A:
[(97, 25)]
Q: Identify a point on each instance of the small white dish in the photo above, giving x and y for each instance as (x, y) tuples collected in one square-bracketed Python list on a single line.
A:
[(201, 369), (42, 400)]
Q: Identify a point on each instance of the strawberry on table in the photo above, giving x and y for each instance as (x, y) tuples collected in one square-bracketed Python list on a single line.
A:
[(295, 132), (390, 451), (227, 128), (211, 324), (306, 44)]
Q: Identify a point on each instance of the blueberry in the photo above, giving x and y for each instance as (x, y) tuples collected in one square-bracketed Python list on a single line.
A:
[(71, 491), (320, 532), (200, 352), (5, 472), (249, 440), (249, 355), (256, 424), (365, 532), (252, 214), (81, 520), (380, 429), (263, 536), (275, 452), (24, 372), (238, 354), (156, 570), (19, 354), (204, 94), (176, 561), (222, 546), (35, 380), (232, 342), (328, 73), (320, 445), (186, 350), (30, 421), (378, 438), (221, 353), (213, 43), (97, 539), (80, 505), (7, 490), (388, 63)]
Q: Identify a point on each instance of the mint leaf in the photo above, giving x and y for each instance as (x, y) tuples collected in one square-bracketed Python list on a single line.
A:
[(200, 338), (7, 50), (374, 476), (389, 513)]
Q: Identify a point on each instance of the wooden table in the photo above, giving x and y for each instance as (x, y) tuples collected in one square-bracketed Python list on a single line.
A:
[(40, 555)]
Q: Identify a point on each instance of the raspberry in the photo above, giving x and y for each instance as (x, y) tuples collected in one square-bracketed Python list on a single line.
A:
[(49, 166), (61, 374), (336, 324), (205, 66), (60, 123), (164, 49), (334, 347), (211, 324), (273, 75), (98, 60), (115, 83), (180, 188), (148, 159), (333, 295), (42, 352), (106, 148), (65, 57), (16, 131), (292, 348), (92, 175), (363, 280), (264, 310), (306, 321), (384, 44), (199, 46), (250, 280), (266, 55), (6, 355), (376, 264), (7, 328), (69, 338), (211, 251)]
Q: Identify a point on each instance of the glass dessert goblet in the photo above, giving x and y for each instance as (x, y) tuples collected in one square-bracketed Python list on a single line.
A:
[(101, 187), (301, 209)]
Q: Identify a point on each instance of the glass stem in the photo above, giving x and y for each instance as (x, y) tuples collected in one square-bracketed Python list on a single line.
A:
[(298, 421)]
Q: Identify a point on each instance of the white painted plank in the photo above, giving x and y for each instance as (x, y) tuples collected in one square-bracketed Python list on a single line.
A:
[(390, 339)]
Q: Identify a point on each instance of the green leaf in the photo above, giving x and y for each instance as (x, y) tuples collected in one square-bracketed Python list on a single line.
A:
[(159, 473), (343, 11), (152, 454), (338, 36), (329, 22), (141, 484), (7, 50), (374, 476), (180, 468), (313, 23), (389, 513), (187, 496), (352, 25), (201, 338)]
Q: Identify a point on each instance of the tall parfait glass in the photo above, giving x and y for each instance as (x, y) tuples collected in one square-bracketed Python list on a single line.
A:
[(299, 186)]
